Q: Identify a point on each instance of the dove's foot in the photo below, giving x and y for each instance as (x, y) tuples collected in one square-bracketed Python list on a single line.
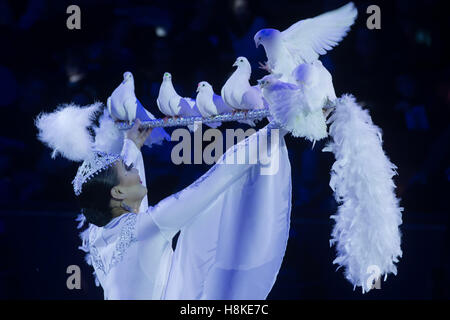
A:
[(165, 119), (243, 111), (265, 66)]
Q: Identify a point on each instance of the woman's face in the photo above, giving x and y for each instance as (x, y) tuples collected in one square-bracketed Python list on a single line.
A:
[(130, 183)]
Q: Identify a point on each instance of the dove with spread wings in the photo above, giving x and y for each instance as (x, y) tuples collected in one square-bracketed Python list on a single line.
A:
[(304, 41)]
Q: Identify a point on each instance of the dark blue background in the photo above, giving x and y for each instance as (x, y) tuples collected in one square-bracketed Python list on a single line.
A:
[(400, 73)]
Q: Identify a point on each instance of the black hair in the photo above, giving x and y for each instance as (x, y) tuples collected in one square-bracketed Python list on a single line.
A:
[(95, 197), (96, 192)]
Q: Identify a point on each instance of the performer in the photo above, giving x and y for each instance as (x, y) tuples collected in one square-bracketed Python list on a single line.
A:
[(234, 222)]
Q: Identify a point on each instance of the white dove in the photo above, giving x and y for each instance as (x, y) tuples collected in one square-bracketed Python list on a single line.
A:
[(316, 84), (209, 103), (168, 99), (237, 91), (288, 105), (122, 103), (305, 40), (165, 92), (272, 88), (171, 104)]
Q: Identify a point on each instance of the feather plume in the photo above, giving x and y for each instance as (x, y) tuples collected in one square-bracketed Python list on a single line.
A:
[(366, 231), (108, 138), (65, 130)]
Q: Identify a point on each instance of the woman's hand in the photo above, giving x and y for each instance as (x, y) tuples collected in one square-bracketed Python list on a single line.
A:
[(137, 134)]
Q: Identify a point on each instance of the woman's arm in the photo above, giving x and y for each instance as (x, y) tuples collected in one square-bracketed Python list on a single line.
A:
[(175, 211), (131, 153)]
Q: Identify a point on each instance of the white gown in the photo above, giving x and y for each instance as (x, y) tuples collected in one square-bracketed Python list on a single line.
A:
[(234, 224)]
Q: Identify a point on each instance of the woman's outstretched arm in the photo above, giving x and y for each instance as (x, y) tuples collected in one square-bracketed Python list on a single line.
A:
[(131, 153), (177, 210)]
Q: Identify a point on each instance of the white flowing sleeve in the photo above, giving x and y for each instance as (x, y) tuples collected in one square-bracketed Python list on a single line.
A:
[(234, 222), (131, 154), (177, 210), (234, 247)]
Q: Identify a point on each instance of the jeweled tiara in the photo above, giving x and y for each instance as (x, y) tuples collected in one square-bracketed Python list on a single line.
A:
[(92, 166)]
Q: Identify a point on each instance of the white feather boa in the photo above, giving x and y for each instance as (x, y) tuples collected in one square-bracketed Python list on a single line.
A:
[(366, 231)]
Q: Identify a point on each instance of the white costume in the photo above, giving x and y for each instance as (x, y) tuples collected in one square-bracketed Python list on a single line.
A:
[(234, 225), (234, 220)]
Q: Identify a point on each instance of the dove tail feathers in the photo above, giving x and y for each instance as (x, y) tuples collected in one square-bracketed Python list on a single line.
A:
[(366, 231), (109, 139), (157, 136), (213, 125), (294, 117), (251, 123)]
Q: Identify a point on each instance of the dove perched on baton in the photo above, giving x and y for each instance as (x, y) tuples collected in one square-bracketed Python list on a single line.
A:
[(305, 40), (122, 103)]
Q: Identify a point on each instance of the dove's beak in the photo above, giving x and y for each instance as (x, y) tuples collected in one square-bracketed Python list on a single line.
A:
[(260, 83), (235, 64)]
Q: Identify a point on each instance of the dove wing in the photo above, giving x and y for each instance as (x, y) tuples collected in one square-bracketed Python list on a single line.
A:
[(188, 108), (158, 103), (221, 106), (130, 106), (309, 38), (228, 92), (252, 99), (196, 112), (174, 105)]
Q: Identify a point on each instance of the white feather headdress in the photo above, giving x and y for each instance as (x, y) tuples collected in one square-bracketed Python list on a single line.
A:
[(65, 130)]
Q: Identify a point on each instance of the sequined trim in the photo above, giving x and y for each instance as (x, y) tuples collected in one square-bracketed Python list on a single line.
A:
[(126, 238), (96, 260)]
